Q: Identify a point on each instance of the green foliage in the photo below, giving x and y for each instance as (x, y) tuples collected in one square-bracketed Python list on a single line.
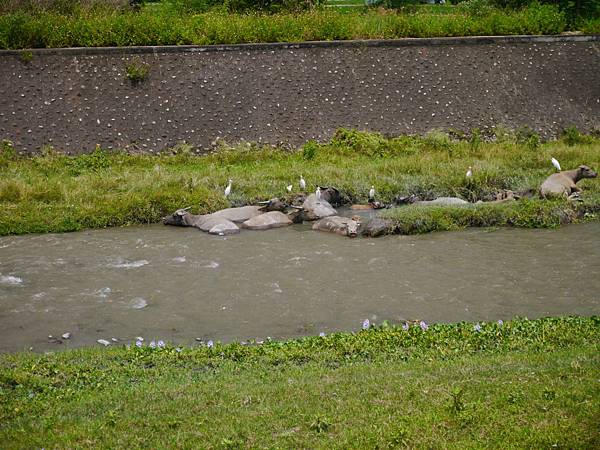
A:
[(572, 136), (309, 150), (320, 424), (63, 7), (169, 25), (523, 213), (575, 10), (242, 6), (7, 153), (26, 56), (137, 71)]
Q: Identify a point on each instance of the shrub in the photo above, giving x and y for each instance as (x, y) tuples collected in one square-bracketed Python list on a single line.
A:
[(137, 71)]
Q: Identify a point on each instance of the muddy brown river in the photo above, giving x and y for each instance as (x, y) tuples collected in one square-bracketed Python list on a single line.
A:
[(180, 284)]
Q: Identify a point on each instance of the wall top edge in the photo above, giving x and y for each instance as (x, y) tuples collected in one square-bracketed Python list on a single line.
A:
[(405, 42)]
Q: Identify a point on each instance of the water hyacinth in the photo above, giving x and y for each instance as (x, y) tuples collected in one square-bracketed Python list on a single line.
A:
[(209, 344), (366, 324), (152, 344), (160, 344), (477, 327), (423, 325), (178, 350), (500, 322), (405, 326), (321, 334), (138, 344)]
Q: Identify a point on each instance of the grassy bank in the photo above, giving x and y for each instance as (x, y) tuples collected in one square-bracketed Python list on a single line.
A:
[(162, 26), (525, 384), (54, 193)]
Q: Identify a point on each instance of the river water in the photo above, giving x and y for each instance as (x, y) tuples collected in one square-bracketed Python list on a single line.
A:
[(179, 284)]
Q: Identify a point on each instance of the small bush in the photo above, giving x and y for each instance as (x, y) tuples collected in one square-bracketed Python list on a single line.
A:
[(572, 136), (137, 71), (309, 150)]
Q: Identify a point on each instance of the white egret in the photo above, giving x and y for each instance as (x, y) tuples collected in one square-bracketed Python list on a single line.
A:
[(289, 187), (318, 193), (228, 189), (469, 173), (302, 183), (556, 164), (372, 193)]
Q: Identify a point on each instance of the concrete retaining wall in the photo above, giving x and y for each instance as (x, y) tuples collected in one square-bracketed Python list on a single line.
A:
[(74, 99)]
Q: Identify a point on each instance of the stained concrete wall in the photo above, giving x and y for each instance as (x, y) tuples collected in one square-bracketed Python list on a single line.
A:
[(74, 99)]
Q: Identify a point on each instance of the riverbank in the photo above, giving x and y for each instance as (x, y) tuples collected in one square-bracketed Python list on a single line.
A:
[(53, 192), (529, 382)]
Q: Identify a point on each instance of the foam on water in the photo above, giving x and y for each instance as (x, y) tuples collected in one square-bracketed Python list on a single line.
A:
[(138, 303), (10, 280), (130, 264)]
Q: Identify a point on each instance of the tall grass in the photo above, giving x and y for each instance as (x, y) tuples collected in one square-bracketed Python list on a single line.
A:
[(165, 27)]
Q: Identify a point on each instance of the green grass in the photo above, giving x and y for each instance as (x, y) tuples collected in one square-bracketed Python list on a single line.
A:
[(162, 26), (55, 193), (523, 384)]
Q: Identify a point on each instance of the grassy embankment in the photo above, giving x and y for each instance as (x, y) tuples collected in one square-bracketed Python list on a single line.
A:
[(521, 384), (55, 193), (167, 25)]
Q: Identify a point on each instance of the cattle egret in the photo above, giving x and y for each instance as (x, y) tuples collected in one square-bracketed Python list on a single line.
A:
[(228, 189), (556, 164), (469, 173), (318, 193), (289, 187), (302, 183), (372, 193)]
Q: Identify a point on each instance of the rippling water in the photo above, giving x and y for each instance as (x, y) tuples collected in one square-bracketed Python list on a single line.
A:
[(179, 284)]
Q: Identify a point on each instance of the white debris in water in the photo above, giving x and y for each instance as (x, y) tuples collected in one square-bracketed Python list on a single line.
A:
[(66, 335), (297, 258), (39, 295), (103, 342), (179, 259), (212, 265), (139, 338), (103, 292), (138, 303), (10, 280), (130, 265), (114, 339), (276, 288)]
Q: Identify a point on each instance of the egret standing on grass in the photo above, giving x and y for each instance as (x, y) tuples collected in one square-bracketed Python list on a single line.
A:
[(318, 193), (556, 164), (289, 187), (469, 173), (302, 183), (372, 194), (228, 189)]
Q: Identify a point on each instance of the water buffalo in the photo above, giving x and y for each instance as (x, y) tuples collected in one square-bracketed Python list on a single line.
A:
[(564, 183)]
